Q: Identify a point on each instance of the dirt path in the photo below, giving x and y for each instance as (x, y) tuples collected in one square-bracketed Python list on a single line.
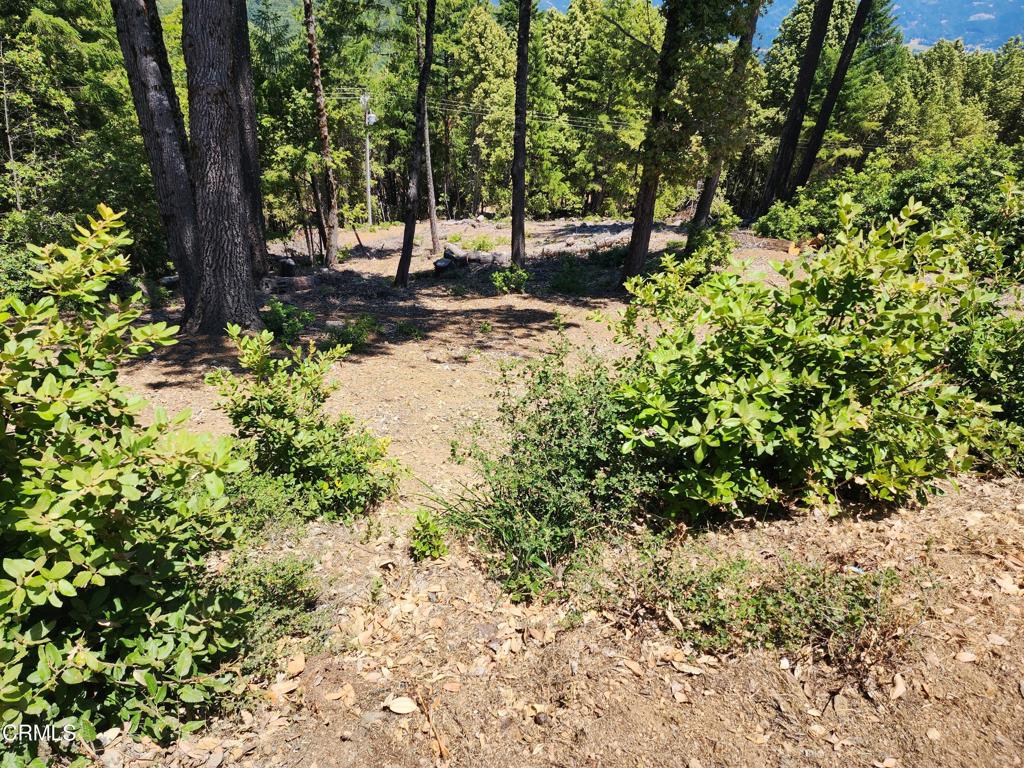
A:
[(502, 685)]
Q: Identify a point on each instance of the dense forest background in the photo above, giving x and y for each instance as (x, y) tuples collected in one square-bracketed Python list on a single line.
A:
[(905, 122)]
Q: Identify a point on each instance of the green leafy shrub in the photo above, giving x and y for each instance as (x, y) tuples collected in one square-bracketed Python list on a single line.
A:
[(106, 614), (278, 415), (355, 334), (427, 539), (511, 280), (286, 321), (410, 329), (570, 279), (481, 243), (829, 386), (16, 274), (557, 482), (966, 186)]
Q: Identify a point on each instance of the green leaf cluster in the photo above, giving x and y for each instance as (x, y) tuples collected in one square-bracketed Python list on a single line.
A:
[(827, 382), (106, 520), (277, 410)]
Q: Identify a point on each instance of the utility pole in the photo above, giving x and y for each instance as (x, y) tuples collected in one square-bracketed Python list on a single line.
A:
[(368, 119)]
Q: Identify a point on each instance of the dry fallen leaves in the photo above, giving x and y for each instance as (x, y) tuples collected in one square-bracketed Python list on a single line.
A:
[(402, 705), (296, 664), (966, 657), (899, 687), (1007, 584), (346, 695)]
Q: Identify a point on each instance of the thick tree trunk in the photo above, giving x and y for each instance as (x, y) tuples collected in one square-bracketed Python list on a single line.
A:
[(835, 86), (778, 179), (226, 293), (519, 135), (163, 135), (250, 147), (331, 186), (412, 199), (650, 176), (744, 48)]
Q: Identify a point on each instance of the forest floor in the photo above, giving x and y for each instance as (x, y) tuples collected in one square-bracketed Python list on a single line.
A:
[(505, 685)]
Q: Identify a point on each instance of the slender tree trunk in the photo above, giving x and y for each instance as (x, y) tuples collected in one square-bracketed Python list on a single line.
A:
[(227, 292), (163, 135), (744, 47), (412, 199), (519, 135), (778, 179), (330, 187), (435, 243), (647, 193), (835, 86), (321, 218), (250, 146), (15, 177)]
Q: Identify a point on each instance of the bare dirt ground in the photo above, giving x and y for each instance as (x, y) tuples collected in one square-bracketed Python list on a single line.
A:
[(503, 685)]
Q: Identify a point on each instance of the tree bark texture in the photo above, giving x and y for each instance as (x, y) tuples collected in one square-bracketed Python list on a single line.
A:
[(223, 212), (647, 193), (412, 198), (250, 147), (778, 179), (519, 135), (163, 135), (828, 105), (330, 186)]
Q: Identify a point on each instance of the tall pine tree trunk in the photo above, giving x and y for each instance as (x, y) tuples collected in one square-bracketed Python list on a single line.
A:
[(778, 179), (519, 135), (163, 135), (223, 212), (651, 151), (828, 105), (416, 155), (331, 187), (744, 48), (435, 243)]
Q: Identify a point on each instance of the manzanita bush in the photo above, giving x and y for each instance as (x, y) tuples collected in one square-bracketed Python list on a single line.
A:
[(826, 383), (106, 616)]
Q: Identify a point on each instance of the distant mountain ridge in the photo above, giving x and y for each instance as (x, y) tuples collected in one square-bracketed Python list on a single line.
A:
[(979, 23), (983, 24)]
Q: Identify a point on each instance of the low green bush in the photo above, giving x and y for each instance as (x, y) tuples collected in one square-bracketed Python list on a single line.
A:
[(355, 334), (286, 321), (511, 280), (556, 483), (278, 415), (107, 615), (571, 278), (283, 595), (427, 537), (719, 604), (965, 186), (829, 386)]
